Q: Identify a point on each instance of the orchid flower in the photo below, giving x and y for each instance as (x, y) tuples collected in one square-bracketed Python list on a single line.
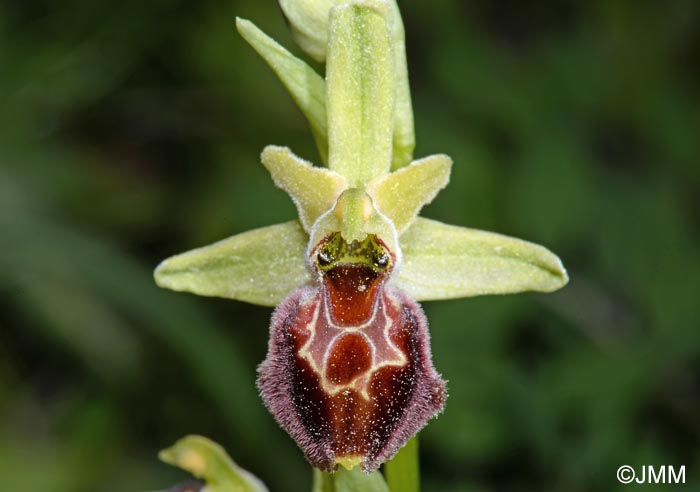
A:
[(349, 373)]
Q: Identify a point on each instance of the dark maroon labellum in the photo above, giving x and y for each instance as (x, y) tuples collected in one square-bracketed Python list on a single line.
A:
[(348, 372)]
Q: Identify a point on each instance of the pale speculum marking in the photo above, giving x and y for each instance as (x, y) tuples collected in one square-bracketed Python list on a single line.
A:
[(346, 357)]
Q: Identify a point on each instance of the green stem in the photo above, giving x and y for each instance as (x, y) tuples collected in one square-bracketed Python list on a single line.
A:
[(402, 473), (322, 482), (343, 480)]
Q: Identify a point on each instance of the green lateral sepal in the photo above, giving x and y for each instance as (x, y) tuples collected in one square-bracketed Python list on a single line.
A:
[(261, 266), (441, 261)]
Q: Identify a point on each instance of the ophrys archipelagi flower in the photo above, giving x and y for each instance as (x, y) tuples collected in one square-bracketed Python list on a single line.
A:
[(349, 373)]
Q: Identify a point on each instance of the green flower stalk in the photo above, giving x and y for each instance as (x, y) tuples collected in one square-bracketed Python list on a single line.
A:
[(349, 373)]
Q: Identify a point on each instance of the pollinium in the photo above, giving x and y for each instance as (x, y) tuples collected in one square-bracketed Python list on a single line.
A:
[(348, 372)]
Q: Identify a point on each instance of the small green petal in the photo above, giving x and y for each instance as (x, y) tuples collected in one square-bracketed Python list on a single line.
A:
[(401, 194), (314, 190), (207, 460), (308, 89), (261, 266), (444, 262), (360, 101)]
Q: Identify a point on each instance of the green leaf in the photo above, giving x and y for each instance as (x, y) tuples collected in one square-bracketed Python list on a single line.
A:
[(444, 262), (314, 190), (307, 88), (401, 194), (206, 459), (402, 472), (261, 266), (356, 480), (360, 101)]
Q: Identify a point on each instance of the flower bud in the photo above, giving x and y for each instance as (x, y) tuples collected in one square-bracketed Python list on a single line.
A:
[(308, 20)]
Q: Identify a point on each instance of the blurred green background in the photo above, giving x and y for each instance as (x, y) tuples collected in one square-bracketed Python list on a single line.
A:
[(130, 131)]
